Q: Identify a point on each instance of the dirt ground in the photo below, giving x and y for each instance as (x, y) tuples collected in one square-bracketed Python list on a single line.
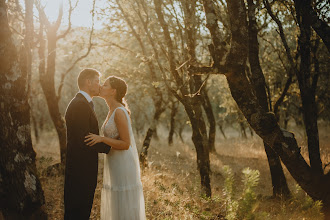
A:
[(172, 183)]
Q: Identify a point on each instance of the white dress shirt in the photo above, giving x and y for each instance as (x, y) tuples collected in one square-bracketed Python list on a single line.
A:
[(86, 95)]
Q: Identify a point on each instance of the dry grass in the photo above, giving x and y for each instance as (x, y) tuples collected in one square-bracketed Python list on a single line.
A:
[(172, 184)]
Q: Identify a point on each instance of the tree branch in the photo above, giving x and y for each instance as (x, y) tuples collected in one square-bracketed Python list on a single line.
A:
[(319, 26), (69, 19), (281, 98), (59, 17), (78, 59), (281, 33), (42, 15), (201, 70)]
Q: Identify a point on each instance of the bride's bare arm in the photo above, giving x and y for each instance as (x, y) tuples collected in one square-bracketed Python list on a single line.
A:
[(122, 143)]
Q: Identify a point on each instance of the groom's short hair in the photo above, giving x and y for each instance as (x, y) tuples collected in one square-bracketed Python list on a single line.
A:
[(88, 73)]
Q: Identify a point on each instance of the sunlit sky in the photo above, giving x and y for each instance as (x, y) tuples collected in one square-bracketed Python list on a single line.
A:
[(81, 16)]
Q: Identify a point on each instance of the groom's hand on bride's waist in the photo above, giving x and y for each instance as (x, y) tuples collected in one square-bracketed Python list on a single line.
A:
[(92, 139), (96, 143)]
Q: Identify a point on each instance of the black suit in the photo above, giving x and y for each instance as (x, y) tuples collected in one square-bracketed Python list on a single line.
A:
[(82, 160)]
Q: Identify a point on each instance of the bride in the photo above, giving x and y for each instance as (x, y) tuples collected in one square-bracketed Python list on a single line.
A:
[(122, 193)]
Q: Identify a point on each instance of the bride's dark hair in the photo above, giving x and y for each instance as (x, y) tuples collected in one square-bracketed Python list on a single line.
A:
[(121, 88)]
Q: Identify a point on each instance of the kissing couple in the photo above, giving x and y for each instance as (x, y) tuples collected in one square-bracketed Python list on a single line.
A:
[(122, 192)]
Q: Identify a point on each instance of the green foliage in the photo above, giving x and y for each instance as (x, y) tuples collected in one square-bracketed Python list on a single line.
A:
[(306, 203), (248, 199), (243, 206), (231, 204)]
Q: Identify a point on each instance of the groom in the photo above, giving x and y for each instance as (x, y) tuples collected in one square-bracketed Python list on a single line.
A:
[(82, 161)]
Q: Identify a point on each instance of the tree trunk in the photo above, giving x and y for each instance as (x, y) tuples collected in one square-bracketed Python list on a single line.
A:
[(28, 44), (29, 39), (47, 80), (180, 131), (21, 195), (203, 160), (211, 119), (286, 120), (208, 110), (306, 82), (280, 186), (265, 124), (35, 127), (155, 134), (221, 130), (310, 121), (157, 97), (192, 105), (200, 140), (242, 129), (189, 8), (145, 147), (251, 131), (147, 139), (174, 111)]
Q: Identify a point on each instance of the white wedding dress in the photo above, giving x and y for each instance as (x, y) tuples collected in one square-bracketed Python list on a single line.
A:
[(122, 192)]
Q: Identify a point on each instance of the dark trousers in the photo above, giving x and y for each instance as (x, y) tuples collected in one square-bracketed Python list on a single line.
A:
[(78, 203), (78, 213)]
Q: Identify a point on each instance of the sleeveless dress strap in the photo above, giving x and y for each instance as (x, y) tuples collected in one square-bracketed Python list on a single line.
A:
[(123, 108)]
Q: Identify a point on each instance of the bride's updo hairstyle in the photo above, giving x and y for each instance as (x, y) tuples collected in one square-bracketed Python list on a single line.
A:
[(121, 90)]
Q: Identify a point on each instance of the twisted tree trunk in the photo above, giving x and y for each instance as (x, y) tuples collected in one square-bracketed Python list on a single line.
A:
[(280, 186), (264, 123)]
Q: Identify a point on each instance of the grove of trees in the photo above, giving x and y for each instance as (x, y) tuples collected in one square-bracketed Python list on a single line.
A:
[(190, 66)]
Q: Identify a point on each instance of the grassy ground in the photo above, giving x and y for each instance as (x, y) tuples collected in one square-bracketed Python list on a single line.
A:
[(172, 184)]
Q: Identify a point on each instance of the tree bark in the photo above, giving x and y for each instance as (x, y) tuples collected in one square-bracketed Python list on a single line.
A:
[(35, 127), (174, 111), (145, 147), (28, 39), (200, 140), (47, 81), (305, 80), (189, 8), (280, 187), (200, 86), (147, 139), (48, 86), (211, 119), (21, 195)]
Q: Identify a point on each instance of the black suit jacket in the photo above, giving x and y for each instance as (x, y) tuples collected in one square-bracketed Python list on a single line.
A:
[(82, 160)]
